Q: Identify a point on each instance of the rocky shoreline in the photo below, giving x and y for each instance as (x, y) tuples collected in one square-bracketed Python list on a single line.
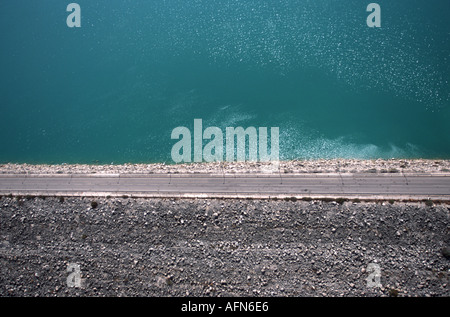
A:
[(201, 248), (224, 247), (294, 166)]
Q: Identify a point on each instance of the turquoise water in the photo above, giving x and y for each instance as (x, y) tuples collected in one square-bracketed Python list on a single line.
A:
[(114, 89)]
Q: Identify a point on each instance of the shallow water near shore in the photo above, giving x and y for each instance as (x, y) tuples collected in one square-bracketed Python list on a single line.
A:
[(114, 89)]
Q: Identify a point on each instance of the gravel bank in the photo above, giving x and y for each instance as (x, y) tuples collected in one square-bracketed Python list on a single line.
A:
[(163, 247), (296, 166)]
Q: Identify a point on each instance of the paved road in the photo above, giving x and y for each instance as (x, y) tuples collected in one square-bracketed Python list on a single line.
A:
[(203, 185)]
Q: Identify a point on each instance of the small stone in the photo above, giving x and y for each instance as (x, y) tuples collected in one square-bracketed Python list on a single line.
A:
[(446, 252)]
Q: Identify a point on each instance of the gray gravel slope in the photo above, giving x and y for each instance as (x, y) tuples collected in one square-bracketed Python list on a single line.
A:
[(163, 247)]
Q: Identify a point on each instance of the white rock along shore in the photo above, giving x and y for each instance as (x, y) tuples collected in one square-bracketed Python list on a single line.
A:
[(294, 166)]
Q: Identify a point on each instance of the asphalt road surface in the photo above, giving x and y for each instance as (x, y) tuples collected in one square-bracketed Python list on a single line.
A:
[(412, 186)]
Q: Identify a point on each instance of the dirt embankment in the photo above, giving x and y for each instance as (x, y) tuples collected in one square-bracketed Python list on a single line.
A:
[(162, 247)]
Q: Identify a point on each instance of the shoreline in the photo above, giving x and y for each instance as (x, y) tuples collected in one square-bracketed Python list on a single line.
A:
[(375, 166), (234, 247)]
